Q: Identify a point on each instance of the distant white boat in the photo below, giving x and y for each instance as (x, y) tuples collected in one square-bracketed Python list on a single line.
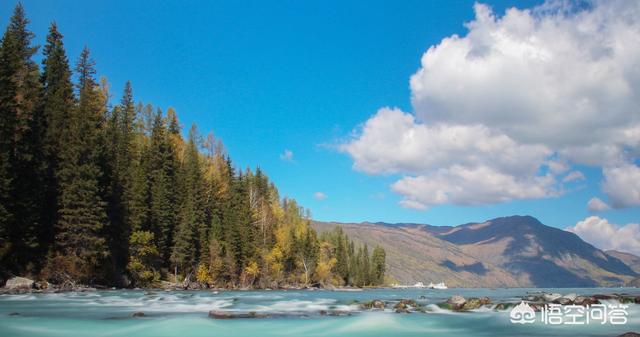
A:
[(431, 285), (440, 285)]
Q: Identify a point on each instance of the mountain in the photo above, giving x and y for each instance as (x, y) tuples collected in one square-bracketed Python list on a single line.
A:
[(515, 251), (415, 255), (633, 261)]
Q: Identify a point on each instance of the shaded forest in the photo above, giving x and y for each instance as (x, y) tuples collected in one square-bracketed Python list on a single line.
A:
[(100, 193)]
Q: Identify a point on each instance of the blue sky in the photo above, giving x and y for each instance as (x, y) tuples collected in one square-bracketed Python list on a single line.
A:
[(298, 76)]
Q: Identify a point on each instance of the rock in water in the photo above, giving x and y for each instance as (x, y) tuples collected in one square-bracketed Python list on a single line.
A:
[(585, 300), (218, 314), (504, 306), (455, 302), (19, 283), (375, 304), (475, 303), (138, 314), (405, 306), (551, 297)]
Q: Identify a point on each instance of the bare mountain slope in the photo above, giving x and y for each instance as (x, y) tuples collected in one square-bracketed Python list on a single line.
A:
[(415, 255), (629, 259), (509, 251)]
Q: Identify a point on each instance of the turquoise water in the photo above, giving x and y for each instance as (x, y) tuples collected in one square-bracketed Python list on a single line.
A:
[(185, 313)]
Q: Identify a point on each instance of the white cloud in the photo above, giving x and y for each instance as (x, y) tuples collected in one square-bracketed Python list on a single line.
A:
[(468, 165), (573, 176), (287, 155), (565, 79), (319, 196), (604, 235), (597, 205), (470, 186), (393, 141), (622, 185), (543, 88)]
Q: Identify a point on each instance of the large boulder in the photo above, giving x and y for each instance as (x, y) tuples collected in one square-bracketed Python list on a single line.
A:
[(455, 302), (19, 283)]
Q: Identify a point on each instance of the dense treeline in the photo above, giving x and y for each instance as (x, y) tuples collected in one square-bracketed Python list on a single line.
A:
[(100, 194)]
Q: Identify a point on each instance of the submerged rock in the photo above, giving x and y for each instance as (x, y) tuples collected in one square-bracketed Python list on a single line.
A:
[(375, 304), (563, 301), (504, 306), (630, 334), (604, 297), (334, 313), (627, 299), (19, 283), (551, 297), (405, 306), (585, 300), (218, 314)]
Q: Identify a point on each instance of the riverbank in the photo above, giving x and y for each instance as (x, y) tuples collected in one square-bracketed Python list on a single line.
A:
[(23, 285)]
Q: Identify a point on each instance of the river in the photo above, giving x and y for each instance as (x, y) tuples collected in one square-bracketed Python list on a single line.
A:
[(296, 313)]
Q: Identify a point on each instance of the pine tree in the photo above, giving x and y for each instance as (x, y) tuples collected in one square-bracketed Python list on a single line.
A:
[(119, 136), (57, 102), (378, 267), (173, 124), (191, 231), (81, 208), (21, 166), (162, 172)]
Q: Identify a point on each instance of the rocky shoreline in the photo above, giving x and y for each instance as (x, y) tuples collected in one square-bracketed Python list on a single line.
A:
[(23, 285), (456, 303)]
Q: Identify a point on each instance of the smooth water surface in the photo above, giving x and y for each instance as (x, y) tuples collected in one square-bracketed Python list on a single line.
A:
[(185, 313)]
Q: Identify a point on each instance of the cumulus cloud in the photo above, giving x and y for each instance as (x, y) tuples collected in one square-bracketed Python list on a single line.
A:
[(319, 196), (528, 92), (459, 164), (393, 141), (470, 186), (604, 235), (565, 79), (287, 155), (622, 185), (597, 205)]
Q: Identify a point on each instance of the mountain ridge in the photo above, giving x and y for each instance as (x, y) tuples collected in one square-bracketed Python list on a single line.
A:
[(512, 251)]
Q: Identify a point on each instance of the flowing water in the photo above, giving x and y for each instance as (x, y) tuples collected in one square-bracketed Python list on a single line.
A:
[(295, 313)]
